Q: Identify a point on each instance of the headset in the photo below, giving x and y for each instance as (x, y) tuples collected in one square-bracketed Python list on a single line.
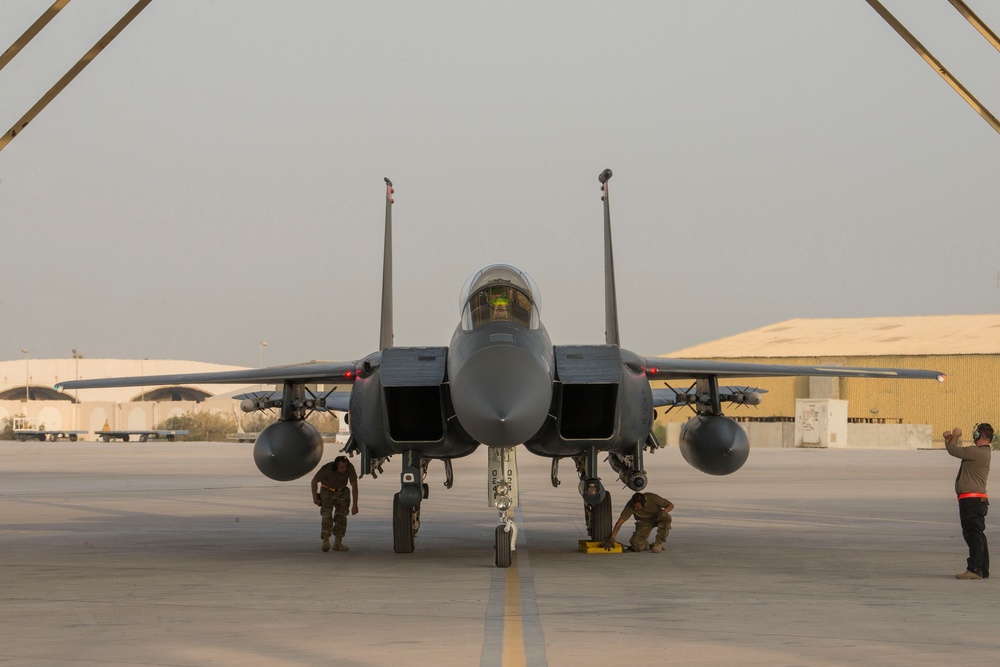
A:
[(976, 434)]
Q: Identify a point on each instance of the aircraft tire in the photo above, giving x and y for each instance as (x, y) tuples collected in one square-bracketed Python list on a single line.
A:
[(402, 527), (502, 547), (600, 516)]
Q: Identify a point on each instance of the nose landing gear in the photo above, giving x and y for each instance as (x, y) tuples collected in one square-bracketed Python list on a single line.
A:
[(502, 494)]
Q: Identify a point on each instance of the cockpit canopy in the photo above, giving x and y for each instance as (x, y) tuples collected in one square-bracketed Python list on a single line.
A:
[(499, 293)]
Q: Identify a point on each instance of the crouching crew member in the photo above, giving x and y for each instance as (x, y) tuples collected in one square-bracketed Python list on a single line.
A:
[(650, 511), (329, 490)]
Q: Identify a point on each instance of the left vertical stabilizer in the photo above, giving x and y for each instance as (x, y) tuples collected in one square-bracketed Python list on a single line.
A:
[(385, 330)]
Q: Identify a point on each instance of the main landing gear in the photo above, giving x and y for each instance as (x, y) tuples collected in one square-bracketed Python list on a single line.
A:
[(599, 518), (405, 523), (596, 500), (406, 503)]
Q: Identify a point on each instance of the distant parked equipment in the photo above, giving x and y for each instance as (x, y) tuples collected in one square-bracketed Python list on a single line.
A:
[(141, 436), (24, 430), (24, 434)]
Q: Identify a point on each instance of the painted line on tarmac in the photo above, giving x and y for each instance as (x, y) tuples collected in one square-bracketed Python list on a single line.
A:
[(513, 635), (513, 619)]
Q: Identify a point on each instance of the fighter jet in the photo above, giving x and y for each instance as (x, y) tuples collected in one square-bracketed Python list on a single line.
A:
[(503, 384)]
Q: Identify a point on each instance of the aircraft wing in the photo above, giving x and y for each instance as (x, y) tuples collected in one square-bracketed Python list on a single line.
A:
[(326, 372), (663, 368)]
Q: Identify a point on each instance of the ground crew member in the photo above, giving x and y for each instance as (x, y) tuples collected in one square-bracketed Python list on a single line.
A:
[(973, 503), (329, 489), (650, 511)]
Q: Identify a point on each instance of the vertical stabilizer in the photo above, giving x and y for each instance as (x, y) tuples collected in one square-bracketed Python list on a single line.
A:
[(385, 331), (610, 299)]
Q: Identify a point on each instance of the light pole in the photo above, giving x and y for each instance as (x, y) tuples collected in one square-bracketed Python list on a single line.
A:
[(76, 394), (27, 375)]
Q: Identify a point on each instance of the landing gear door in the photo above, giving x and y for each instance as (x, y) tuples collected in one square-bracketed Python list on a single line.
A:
[(502, 478)]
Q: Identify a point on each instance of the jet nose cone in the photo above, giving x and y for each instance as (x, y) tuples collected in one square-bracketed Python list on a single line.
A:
[(501, 395)]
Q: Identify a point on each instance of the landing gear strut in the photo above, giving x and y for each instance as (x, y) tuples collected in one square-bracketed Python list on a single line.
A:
[(403, 531), (599, 518), (502, 490), (596, 500), (406, 503)]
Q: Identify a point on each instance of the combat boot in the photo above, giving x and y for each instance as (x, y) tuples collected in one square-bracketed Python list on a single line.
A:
[(338, 545), (968, 574), (657, 547), (326, 544)]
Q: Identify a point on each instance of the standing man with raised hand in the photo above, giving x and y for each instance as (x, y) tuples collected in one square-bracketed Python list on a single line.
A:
[(973, 502)]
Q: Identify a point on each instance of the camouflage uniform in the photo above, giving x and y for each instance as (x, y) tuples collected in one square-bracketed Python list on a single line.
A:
[(646, 519), (334, 500), (333, 510)]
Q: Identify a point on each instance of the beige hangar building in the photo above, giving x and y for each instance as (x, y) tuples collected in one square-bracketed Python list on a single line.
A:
[(966, 348)]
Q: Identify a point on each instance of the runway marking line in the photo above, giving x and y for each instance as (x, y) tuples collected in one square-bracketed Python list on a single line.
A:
[(513, 619)]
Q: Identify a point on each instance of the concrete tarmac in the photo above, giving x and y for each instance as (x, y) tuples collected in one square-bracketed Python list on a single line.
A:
[(183, 554)]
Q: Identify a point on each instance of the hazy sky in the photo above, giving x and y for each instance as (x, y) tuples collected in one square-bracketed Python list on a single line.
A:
[(214, 178)]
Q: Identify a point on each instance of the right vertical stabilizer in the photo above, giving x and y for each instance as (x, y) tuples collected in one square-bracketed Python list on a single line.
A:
[(610, 299)]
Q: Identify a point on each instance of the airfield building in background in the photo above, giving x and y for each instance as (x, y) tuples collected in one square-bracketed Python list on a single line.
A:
[(878, 413), (27, 390), (797, 412)]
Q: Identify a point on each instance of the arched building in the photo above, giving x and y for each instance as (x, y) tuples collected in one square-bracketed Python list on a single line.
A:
[(27, 389)]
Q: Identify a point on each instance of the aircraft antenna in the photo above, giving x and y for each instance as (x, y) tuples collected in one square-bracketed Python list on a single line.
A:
[(385, 331), (610, 300)]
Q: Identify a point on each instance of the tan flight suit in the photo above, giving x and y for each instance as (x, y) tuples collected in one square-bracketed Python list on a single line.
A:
[(646, 519)]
